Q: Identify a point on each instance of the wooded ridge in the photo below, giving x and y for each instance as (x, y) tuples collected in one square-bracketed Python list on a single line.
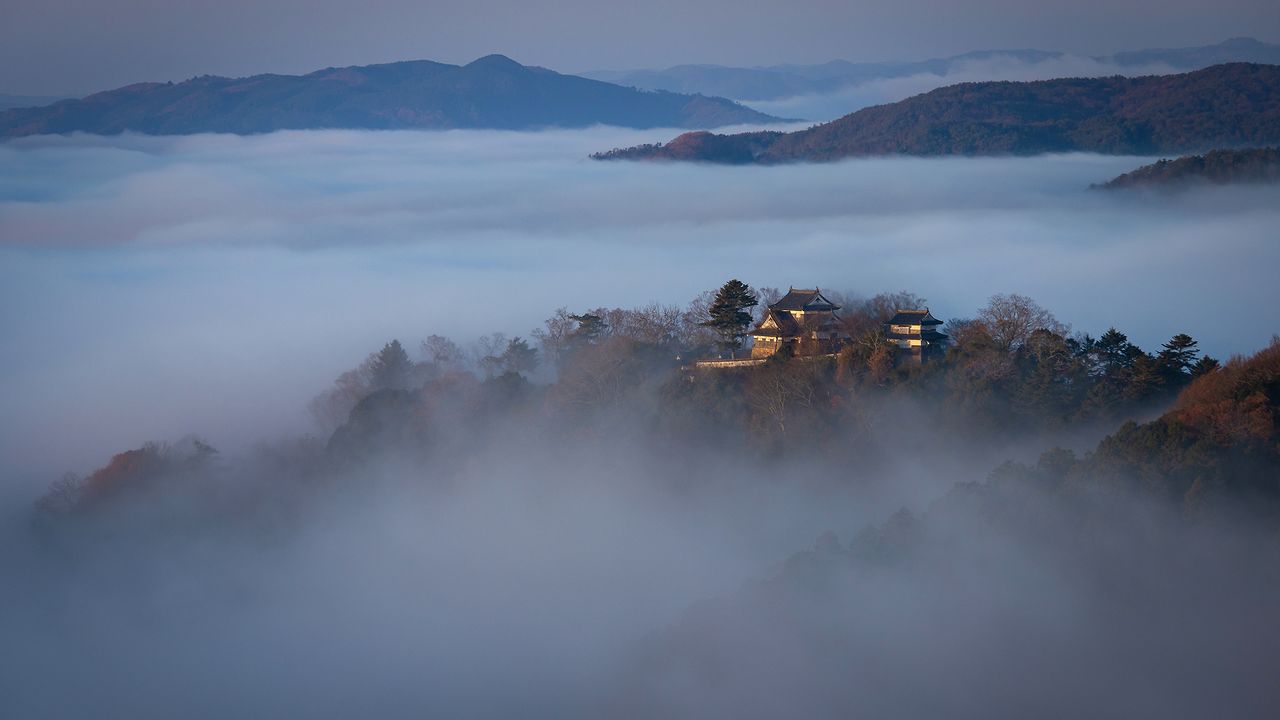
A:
[(1224, 106)]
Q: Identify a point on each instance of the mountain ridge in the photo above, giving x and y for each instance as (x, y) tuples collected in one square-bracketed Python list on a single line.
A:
[(1223, 106), (492, 92)]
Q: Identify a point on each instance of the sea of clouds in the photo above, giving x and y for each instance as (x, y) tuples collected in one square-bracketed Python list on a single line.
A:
[(155, 286)]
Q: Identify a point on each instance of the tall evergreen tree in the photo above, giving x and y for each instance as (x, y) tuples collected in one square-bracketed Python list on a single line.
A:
[(519, 357), (1114, 352), (1147, 379), (730, 314), (1204, 366), (390, 368), (591, 327), (1179, 354)]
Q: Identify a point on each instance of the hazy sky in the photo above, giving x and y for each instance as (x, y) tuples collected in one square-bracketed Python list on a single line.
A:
[(75, 46)]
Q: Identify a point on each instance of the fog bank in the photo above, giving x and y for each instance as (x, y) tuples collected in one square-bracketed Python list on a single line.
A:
[(486, 547), (212, 284)]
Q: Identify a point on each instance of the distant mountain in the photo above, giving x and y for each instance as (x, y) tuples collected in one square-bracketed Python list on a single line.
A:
[(1243, 49), (1219, 107), (492, 92), (782, 81), (1219, 167)]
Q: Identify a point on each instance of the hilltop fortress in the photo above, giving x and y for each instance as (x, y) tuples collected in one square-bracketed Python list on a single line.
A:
[(804, 323)]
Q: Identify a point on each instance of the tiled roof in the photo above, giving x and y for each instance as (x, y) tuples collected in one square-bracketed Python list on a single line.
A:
[(786, 325), (914, 317), (810, 300)]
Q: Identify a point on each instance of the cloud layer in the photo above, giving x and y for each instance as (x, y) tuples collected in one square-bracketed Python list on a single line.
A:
[(156, 286)]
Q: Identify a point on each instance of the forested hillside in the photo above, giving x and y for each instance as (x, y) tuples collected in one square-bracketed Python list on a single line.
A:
[(1013, 374), (1144, 559), (1222, 106), (1219, 167), (1074, 583)]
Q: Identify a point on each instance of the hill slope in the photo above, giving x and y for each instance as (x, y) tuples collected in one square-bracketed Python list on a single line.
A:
[(1222, 167), (1222, 106), (492, 92), (1080, 568)]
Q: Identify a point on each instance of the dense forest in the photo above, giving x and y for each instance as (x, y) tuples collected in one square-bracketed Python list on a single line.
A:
[(1222, 106), (1219, 167), (1128, 582), (1013, 372)]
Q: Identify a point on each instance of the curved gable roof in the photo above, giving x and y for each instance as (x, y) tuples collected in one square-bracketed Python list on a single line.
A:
[(914, 317), (804, 301), (782, 324)]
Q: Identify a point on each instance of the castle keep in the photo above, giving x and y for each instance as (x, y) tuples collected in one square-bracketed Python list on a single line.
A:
[(802, 320)]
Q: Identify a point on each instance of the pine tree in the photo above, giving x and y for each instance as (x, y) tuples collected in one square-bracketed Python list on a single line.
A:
[(390, 368), (730, 316), (1114, 351), (1146, 381), (519, 357), (1179, 354), (1204, 366), (590, 328)]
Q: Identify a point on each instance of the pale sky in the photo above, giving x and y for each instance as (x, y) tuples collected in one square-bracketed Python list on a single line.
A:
[(76, 46)]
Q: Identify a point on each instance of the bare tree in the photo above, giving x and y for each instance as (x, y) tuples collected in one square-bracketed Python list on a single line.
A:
[(767, 296), (693, 334), (883, 306), (554, 337), (654, 323), (602, 375), (444, 353), (779, 392), (968, 333), (1010, 320), (487, 352), (331, 408), (63, 496)]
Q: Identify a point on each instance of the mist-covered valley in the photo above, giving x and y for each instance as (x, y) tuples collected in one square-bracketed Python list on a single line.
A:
[(272, 510), (218, 278)]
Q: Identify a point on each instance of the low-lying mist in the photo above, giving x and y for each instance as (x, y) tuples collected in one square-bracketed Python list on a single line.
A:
[(608, 533), (481, 549), (158, 286)]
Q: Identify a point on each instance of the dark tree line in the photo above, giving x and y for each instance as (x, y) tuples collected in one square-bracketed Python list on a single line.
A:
[(1011, 370)]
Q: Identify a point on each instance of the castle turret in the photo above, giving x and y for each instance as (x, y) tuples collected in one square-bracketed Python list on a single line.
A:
[(803, 320), (915, 334)]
